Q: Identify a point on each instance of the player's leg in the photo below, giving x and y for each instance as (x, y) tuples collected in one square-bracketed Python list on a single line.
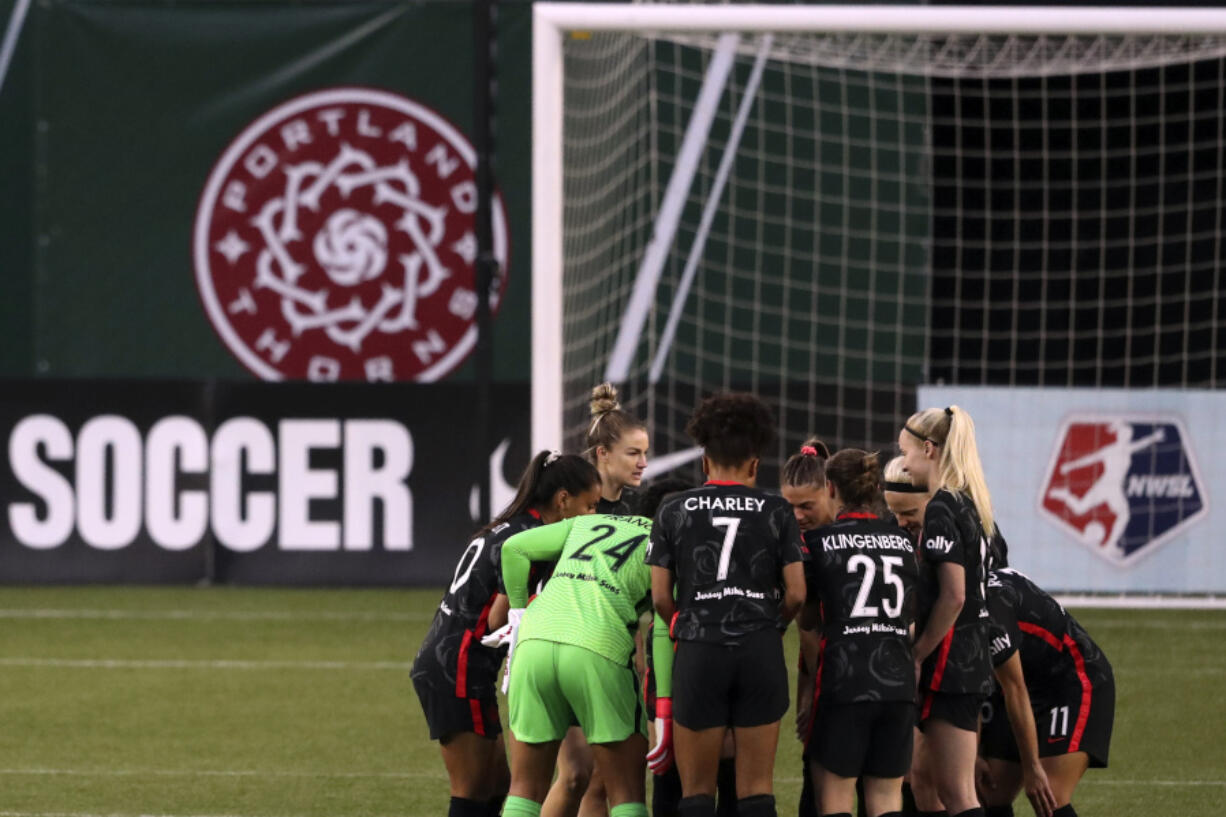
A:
[(888, 755), (999, 786), (725, 778), (604, 698), (1064, 772), (500, 778), (703, 675), (697, 757), (951, 753), (882, 796), (539, 720), (469, 759), (759, 703), (595, 798), (574, 774), (923, 784)]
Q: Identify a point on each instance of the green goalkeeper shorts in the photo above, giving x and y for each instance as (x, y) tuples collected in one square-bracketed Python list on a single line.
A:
[(556, 686)]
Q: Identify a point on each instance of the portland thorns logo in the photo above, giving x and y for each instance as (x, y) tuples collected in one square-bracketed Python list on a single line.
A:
[(336, 239)]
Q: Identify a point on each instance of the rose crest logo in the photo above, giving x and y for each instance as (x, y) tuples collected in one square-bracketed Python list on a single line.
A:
[(336, 240), (1123, 485)]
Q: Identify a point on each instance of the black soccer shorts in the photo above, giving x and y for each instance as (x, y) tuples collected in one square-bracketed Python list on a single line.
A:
[(858, 739), (959, 709), (447, 715), (745, 685), (1073, 721)]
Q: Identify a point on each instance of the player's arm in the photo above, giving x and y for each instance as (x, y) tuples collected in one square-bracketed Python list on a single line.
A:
[(662, 594), (660, 758), (792, 551), (810, 647), (952, 579), (1021, 718), (793, 590), (543, 544), (498, 612)]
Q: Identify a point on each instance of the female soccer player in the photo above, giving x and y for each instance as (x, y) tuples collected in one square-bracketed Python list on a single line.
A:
[(617, 445), (1065, 709), (720, 556), (803, 485), (572, 651), (454, 674), (861, 573), (951, 650)]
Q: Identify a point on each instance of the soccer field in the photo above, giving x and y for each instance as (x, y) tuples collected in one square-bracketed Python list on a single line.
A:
[(155, 701)]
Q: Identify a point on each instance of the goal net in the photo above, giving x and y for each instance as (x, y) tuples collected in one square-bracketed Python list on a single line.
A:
[(828, 215)]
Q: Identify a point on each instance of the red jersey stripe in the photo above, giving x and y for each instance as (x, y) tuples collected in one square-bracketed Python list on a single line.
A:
[(1039, 632), (1087, 692), (928, 696), (478, 720), (817, 689), (942, 659), (461, 665)]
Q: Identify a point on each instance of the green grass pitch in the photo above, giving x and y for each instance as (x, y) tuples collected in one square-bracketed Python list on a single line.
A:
[(297, 703)]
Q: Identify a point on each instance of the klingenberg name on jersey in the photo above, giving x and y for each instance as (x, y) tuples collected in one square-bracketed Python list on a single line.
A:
[(724, 503), (860, 541)]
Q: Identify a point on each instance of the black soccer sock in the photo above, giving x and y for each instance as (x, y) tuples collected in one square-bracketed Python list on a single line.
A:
[(808, 805), (760, 805), (666, 793), (933, 813), (725, 788), (700, 805), (840, 814), (971, 812), (493, 806), (908, 800), (998, 811), (1065, 811), (890, 814), (463, 807)]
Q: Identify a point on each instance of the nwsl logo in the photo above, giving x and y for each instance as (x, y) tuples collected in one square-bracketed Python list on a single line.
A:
[(1123, 484)]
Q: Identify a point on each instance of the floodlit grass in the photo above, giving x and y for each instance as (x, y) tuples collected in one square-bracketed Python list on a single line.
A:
[(297, 703)]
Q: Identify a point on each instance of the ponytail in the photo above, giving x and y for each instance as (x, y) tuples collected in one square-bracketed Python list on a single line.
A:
[(958, 468), (547, 473), (807, 467)]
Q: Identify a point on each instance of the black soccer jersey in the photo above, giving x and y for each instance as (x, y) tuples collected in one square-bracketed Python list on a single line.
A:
[(864, 571), (961, 662), (452, 656), (727, 544), (1056, 652), (625, 505)]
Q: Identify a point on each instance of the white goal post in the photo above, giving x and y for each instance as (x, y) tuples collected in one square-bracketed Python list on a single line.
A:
[(554, 22)]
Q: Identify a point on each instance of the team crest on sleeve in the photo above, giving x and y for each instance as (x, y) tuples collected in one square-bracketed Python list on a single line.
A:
[(1123, 484), (336, 240)]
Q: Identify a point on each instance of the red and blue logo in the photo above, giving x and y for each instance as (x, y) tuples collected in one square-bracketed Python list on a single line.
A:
[(1123, 485)]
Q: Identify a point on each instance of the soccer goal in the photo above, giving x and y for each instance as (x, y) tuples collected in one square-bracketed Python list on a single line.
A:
[(828, 205)]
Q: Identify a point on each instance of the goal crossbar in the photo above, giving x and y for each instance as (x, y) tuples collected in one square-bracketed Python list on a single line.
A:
[(553, 21)]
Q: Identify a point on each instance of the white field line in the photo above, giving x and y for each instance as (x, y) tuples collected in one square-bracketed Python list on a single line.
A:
[(209, 615), (1085, 781), (38, 772), (175, 663), (1142, 602)]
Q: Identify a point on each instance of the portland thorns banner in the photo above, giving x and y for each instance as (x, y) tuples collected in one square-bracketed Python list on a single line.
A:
[(277, 190), (244, 482)]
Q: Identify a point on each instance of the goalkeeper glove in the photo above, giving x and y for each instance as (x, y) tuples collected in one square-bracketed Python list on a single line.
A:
[(506, 634), (660, 758)]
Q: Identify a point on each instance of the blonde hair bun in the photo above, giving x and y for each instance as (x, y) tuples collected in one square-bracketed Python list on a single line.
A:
[(604, 399)]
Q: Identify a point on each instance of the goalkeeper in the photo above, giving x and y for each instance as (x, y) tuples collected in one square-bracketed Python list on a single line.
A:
[(571, 653)]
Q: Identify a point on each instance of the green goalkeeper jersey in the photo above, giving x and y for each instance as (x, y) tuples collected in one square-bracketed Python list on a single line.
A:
[(598, 589)]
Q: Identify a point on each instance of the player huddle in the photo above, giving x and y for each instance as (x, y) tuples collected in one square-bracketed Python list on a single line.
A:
[(925, 660)]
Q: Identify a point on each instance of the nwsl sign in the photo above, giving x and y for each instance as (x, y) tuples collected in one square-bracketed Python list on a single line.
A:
[(1123, 484)]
